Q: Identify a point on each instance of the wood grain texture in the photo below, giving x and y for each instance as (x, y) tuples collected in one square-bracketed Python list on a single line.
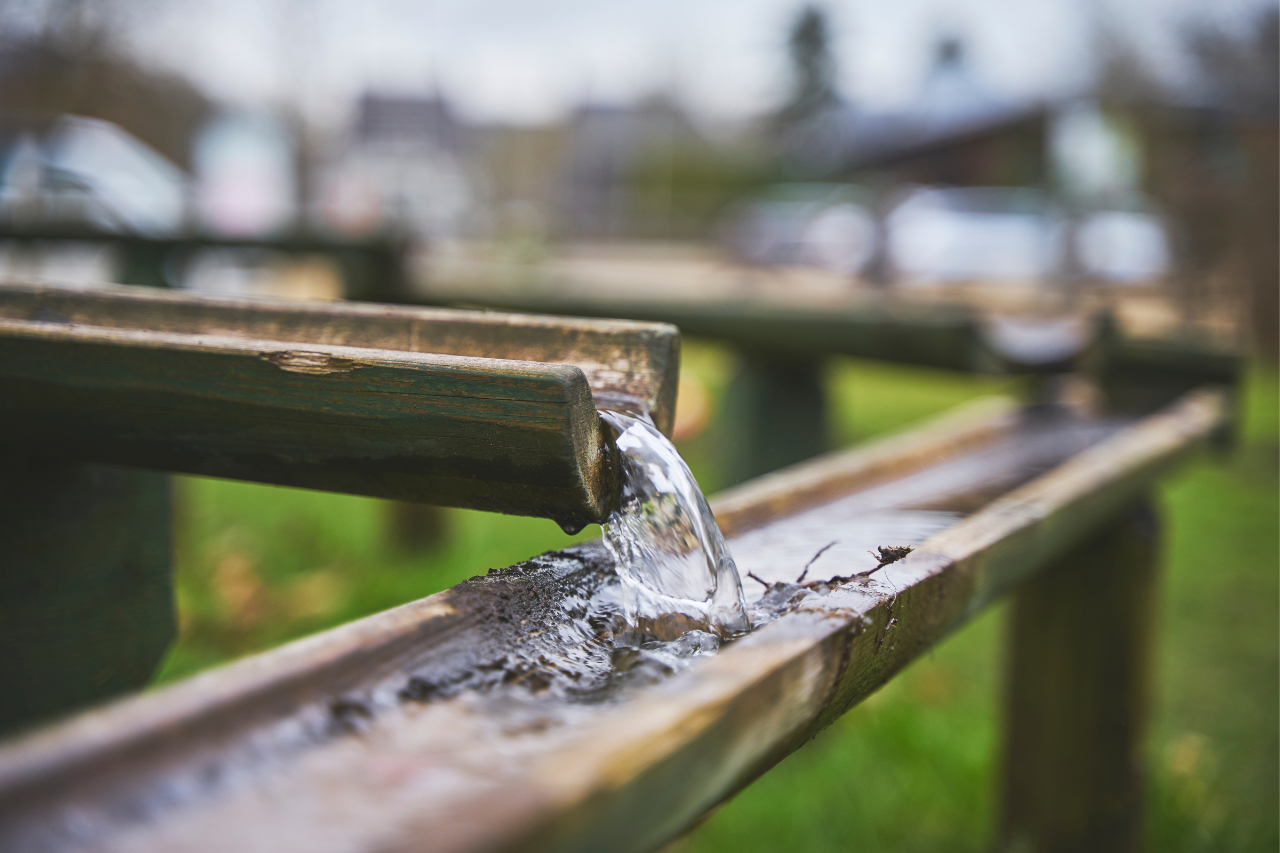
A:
[(1077, 698), (831, 475), (283, 394), (619, 357), (243, 758)]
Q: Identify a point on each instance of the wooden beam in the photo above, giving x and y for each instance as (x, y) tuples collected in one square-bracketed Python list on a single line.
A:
[(775, 415), (1079, 654), (372, 268), (940, 336), (365, 738), (639, 360), (86, 596), (282, 393), (832, 475)]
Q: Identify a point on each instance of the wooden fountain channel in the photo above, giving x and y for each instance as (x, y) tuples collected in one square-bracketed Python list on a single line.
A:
[(386, 734)]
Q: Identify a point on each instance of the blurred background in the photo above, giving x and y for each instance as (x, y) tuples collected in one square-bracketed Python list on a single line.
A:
[(1037, 159)]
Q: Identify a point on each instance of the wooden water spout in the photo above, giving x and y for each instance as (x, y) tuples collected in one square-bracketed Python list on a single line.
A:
[(456, 408)]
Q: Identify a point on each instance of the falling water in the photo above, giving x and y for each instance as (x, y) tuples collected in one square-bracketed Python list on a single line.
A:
[(676, 571)]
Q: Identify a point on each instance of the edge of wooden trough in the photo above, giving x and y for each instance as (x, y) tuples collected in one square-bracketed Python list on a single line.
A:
[(273, 683), (697, 739)]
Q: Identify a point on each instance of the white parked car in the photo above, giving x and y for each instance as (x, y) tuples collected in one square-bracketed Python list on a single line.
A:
[(94, 172), (984, 234), (820, 225), (1123, 246)]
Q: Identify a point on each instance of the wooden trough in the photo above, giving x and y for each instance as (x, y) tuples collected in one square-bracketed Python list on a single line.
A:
[(777, 398), (455, 408), (485, 718)]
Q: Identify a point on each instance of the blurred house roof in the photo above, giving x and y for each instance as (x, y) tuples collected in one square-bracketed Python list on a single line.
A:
[(408, 120), (953, 105), (604, 144)]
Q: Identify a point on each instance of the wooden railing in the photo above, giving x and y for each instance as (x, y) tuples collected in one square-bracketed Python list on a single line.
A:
[(371, 268)]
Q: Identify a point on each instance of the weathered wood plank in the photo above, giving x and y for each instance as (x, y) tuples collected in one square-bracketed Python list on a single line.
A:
[(503, 436), (1076, 703), (619, 357), (295, 747), (704, 735), (929, 336), (280, 394), (248, 693), (821, 480)]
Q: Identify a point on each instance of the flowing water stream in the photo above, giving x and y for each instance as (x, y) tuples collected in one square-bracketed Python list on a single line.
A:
[(671, 558)]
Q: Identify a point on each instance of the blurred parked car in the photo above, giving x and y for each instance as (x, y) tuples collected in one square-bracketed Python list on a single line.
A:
[(821, 225), (1020, 235), (986, 234), (91, 172), (1122, 246)]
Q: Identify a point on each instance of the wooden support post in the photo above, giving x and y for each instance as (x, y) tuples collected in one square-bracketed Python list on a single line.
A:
[(1079, 663), (86, 597), (775, 416), (142, 262), (413, 528)]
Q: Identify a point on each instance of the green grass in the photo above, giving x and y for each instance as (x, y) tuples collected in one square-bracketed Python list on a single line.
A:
[(912, 767), (1215, 742)]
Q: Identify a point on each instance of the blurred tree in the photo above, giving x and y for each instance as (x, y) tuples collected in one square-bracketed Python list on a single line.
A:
[(72, 62), (1243, 75), (683, 193), (812, 131), (1210, 159), (813, 69)]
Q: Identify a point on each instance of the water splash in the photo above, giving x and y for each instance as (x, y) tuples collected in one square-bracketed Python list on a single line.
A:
[(675, 569)]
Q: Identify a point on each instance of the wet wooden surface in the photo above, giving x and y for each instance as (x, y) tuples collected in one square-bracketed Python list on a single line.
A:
[(827, 477), (285, 749), (480, 410)]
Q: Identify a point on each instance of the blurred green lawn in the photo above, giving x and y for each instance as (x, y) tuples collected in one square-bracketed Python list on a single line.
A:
[(912, 767)]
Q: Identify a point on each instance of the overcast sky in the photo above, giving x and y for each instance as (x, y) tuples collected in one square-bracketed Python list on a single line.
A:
[(530, 60)]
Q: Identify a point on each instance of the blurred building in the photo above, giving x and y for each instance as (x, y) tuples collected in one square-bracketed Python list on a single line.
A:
[(1131, 185), (406, 165), (245, 169), (605, 148)]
